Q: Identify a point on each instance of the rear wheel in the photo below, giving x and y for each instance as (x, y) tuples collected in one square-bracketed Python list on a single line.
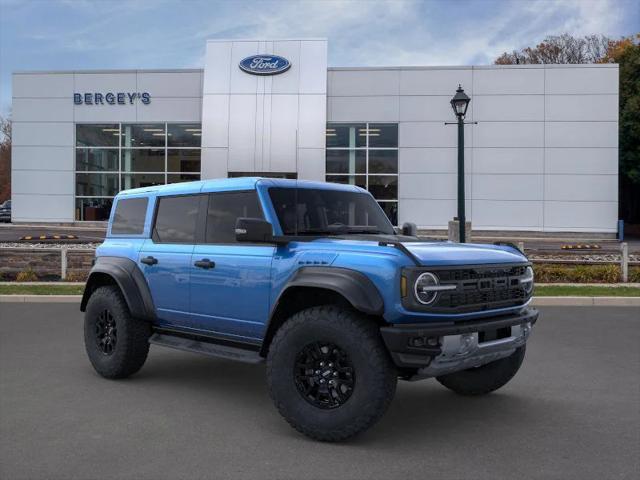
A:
[(116, 343), (329, 374), (486, 378)]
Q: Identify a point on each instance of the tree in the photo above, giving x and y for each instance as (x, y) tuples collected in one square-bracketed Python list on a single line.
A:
[(600, 49), (563, 48), (5, 159), (626, 53)]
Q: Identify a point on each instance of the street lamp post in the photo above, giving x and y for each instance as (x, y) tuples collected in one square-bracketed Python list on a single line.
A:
[(460, 103)]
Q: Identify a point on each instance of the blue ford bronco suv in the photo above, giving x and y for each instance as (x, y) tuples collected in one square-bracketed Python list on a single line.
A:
[(313, 279)]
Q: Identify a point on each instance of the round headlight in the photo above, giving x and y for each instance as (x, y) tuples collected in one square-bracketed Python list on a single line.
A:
[(425, 293), (527, 280)]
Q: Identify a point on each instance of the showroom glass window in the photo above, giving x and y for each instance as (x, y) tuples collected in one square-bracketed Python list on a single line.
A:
[(117, 156), (366, 155)]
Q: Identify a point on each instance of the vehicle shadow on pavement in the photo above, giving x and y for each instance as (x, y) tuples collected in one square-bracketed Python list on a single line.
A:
[(427, 409), (217, 378), (419, 410)]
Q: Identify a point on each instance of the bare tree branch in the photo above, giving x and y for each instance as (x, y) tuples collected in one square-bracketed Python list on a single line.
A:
[(563, 48)]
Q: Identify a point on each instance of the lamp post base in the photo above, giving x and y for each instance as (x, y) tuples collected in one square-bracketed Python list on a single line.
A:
[(454, 231)]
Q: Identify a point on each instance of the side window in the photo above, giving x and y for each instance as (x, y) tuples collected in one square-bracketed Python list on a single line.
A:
[(128, 218), (176, 219), (224, 210)]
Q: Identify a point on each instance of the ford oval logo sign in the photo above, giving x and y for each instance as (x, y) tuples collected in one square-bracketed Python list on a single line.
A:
[(265, 64)]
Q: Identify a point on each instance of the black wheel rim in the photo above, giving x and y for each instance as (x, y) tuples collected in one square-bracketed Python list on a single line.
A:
[(106, 333), (324, 375)]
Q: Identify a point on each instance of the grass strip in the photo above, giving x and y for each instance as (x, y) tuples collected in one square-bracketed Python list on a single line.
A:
[(52, 289), (540, 290)]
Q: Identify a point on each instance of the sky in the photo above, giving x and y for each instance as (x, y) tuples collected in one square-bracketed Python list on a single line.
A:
[(110, 34)]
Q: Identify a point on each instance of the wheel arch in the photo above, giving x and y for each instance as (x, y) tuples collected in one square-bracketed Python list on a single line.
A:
[(125, 274), (313, 286)]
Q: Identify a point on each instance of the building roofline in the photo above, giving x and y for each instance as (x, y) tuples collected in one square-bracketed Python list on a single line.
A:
[(337, 69), (102, 71), (480, 67)]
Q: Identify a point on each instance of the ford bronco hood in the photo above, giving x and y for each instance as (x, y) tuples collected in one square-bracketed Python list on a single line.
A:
[(446, 253)]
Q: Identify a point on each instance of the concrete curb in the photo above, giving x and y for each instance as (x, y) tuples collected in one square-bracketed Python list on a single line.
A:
[(586, 301), (537, 301), (40, 298)]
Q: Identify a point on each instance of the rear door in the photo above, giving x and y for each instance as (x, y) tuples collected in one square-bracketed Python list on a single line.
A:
[(230, 281), (165, 258)]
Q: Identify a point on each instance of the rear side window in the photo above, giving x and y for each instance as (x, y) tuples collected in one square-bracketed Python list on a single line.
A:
[(128, 218), (176, 219), (224, 209)]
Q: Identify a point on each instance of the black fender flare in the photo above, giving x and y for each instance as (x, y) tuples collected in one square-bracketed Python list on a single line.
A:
[(355, 286), (127, 275)]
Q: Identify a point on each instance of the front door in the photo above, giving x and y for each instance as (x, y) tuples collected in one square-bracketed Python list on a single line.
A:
[(165, 258), (231, 282)]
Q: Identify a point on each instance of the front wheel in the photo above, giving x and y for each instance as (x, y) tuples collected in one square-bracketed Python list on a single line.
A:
[(329, 374), (486, 378)]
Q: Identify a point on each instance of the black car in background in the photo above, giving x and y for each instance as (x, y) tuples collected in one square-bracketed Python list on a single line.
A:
[(5, 211)]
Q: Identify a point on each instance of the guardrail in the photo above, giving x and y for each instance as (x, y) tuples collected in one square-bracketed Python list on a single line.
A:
[(65, 253), (624, 262)]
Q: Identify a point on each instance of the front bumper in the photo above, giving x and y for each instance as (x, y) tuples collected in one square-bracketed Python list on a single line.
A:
[(439, 348)]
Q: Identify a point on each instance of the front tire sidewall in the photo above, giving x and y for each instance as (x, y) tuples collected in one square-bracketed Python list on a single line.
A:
[(375, 378)]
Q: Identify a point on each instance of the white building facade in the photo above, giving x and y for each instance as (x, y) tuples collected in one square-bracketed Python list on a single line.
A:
[(543, 155)]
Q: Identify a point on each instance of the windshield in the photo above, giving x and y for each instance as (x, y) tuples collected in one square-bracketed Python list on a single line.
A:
[(304, 211)]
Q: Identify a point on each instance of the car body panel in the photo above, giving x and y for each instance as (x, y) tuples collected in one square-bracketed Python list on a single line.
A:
[(237, 297), (449, 253), (234, 296), (169, 279)]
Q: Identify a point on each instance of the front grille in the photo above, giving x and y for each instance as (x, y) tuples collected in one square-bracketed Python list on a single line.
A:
[(480, 273), (482, 300), (478, 288), (481, 288)]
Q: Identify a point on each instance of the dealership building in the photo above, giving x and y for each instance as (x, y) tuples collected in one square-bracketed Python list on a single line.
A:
[(541, 143)]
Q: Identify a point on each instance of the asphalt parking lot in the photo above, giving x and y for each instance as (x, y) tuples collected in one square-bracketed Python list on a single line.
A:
[(571, 412)]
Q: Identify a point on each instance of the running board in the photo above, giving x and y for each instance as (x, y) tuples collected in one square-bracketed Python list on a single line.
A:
[(206, 348)]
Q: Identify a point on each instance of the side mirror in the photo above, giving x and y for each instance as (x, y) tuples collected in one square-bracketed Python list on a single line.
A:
[(253, 230), (409, 229)]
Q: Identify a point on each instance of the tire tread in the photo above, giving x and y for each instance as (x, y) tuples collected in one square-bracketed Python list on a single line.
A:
[(133, 334), (368, 338)]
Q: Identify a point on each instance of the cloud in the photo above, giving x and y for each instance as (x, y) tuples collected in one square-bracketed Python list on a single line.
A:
[(589, 17), (85, 34), (405, 32)]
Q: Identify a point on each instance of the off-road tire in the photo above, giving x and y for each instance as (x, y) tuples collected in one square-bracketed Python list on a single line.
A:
[(484, 379), (375, 374), (132, 341)]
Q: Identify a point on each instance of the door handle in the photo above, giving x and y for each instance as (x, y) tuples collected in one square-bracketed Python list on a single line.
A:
[(149, 260), (205, 263)]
